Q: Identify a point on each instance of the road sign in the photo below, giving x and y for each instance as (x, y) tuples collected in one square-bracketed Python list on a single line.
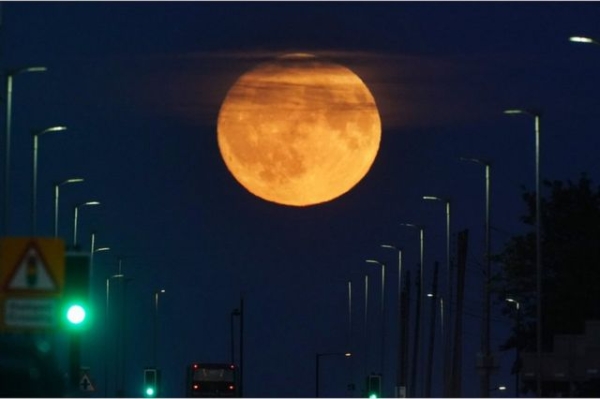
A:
[(85, 384), (30, 313), (32, 274)]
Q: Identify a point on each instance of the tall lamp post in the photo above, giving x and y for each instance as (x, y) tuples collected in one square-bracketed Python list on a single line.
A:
[(107, 330), (517, 348), (75, 217), (485, 343), (400, 382), (373, 261), (9, 90), (538, 240), (317, 359), (155, 313), (418, 324), (446, 357), (36, 134), (93, 250), (56, 196)]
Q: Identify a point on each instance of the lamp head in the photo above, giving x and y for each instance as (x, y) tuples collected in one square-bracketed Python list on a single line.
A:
[(581, 39)]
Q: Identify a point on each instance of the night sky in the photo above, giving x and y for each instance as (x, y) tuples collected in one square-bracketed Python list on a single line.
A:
[(139, 85)]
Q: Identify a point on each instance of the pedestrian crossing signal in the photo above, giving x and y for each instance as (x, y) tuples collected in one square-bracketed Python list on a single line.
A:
[(151, 378)]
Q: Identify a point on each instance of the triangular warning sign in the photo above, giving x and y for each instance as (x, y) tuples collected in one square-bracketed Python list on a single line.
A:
[(85, 384), (31, 272)]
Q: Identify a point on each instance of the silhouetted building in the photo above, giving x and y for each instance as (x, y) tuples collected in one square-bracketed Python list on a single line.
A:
[(572, 369)]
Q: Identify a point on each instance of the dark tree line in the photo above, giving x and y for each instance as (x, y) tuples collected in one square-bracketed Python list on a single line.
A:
[(570, 232)]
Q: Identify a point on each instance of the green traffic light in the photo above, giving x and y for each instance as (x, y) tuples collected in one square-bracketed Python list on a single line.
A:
[(373, 396), (149, 391), (76, 314)]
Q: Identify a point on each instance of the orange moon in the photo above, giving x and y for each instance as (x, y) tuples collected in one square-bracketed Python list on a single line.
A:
[(299, 130)]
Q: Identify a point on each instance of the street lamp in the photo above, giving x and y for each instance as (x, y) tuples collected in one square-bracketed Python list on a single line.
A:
[(93, 250), (446, 357), (517, 348), (75, 216), (155, 341), (583, 39), (538, 240), (485, 343), (498, 388), (56, 196), (9, 89), (400, 381), (317, 359), (382, 308), (420, 296), (119, 357), (107, 330), (36, 135), (448, 270)]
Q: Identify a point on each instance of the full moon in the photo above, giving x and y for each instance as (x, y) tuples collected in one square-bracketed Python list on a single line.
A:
[(299, 130)]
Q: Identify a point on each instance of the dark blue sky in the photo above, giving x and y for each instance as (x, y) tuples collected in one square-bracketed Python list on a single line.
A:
[(139, 86)]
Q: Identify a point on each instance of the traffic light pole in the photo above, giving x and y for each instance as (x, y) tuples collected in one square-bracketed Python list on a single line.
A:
[(74, 361)]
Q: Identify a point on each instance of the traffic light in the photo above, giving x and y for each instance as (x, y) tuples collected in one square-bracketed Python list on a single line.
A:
[(151, 382), (374, 386), (76, 292)]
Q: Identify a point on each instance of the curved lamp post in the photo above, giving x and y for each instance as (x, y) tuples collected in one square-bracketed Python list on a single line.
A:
[(9, 89), (56, 196), (36, 135), (75, 217), (538, 240), (373, 261), (155, 313), (93, 250), (400, 373), (107, 324), (485, 343), (517, 349), (448, 281), (418, 326)]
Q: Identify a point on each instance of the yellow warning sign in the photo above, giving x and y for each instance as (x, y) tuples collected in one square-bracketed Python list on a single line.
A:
[(33, 265), (32, 275)]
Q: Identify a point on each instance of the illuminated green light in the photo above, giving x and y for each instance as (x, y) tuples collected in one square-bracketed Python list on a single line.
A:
[(76, 314), (373, 396), (149, 391)]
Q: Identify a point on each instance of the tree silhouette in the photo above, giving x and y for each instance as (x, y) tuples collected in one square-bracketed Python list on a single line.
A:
[(570, 233)]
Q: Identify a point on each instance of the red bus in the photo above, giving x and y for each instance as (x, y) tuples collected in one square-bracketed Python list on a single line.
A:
[(211, 380)]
